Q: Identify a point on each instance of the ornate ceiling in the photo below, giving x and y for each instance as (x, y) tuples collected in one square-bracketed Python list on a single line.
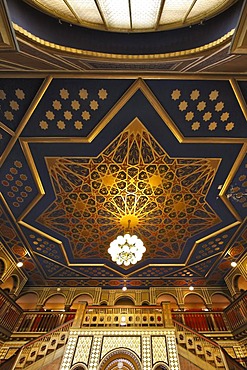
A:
[(84, 156), (132, 15), (83, 153)]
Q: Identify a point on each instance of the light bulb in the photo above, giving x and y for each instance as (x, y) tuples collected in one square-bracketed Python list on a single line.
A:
[(233, 264), (19, 264), (191, 287)]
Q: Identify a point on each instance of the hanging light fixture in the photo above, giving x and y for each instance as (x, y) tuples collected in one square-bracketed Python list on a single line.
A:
[(127, 249)]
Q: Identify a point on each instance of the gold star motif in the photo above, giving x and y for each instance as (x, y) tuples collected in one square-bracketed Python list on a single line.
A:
[(85, 115), (183, 105), (20, 94), (8, 115), (57, 105), (75, 104), (213, 95), (78, 125), (224, 116), (229, 126), (212, 126), (14, 105), (219, 106), (201, 106), (2, 95), (175, 95), (94, 105), (189, 116), (43, 125), (83, 94), (207, 116), (195, 126), (194, 94), (50, 115), (68, 115), (64, 94), (102, 94), (61, 125)]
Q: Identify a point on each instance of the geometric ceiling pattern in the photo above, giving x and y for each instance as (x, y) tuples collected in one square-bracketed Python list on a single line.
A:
[(80, 158)]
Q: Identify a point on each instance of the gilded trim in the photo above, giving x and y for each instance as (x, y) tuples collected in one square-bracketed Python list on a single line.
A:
[(88, 53)]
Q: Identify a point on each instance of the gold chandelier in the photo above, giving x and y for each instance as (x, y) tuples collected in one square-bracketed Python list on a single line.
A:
[(126, 249)]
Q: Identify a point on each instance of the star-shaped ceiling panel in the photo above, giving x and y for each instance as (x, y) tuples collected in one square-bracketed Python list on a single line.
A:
[(84, 158)]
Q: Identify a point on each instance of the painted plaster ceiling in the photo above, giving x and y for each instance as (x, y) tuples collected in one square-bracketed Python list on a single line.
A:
[(84, 156), (84, 153), (132, 15)]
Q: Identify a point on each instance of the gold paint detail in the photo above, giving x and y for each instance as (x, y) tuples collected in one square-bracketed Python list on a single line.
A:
[(86, 53), (131, 179), (27, 115)]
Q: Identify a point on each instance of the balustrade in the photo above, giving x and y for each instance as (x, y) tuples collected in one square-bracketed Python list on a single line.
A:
[(39, 322), (41, 347), (203, 321), (126, 316), (9, 314), (236, 313)]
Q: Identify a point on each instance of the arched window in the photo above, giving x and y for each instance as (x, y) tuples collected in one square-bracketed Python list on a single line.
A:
[(56, 303), (2, 268), (219, 302), (168, 298), (124, 301), (193, 302), (81, 298), (28, 301)]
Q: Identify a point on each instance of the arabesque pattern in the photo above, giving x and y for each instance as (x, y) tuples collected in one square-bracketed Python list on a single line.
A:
[(132, 179)]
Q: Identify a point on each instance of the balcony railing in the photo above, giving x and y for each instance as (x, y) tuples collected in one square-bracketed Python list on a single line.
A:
[(9, 314), (203, 321), (42, 322), (126, 316), (204, 349), (236, 314)]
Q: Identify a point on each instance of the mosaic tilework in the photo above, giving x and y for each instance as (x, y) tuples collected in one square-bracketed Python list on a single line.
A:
[(146, 353), (110, 342), (95, 353), (172, 352), (69, 353), (82, 351), (159, 349)]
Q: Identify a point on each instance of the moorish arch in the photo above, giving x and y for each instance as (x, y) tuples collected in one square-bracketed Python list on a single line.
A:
[(81, 298), (194, 302), (160, 366), (11, 284), (78, 367), (239, 283), (124, 301), (219, 301), (168, 298), (2, 268), (55, 302), (28, 301), (120, 359)]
